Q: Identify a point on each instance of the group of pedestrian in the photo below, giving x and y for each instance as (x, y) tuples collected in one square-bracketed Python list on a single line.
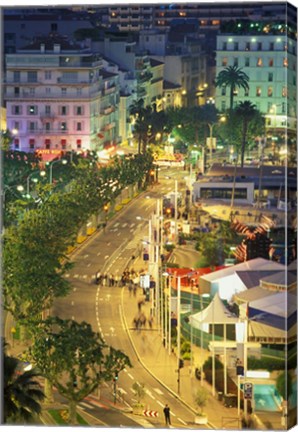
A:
[(140, 321), (109, 280)]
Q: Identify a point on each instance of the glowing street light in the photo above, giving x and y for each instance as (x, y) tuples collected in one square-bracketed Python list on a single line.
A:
[(35, 180), (51, 164)]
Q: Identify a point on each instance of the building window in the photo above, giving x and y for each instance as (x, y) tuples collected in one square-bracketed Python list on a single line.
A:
[(79, 92), (48, 75), (223, 105), (63, 126), (285, 62), (31, 126), (63, 91), (258, 91), (47, 143), (54, 27), (31, 143), (16, 126), (260, 46), (79, 126), (223, 91), (16, 109), (224, 61), (32, 91), (224, 46), (259, 62), (283, 107), (48, 126), (79, 143), (79, 110), (271, 46), (246, 92), (284, 92), (48, 90), (47, 109), (247, 46), (236, 46), (32, 110), (63, 143), (270, 76), (32, 76), (246, 63), (16, 143), (63, 110), (269, 106), (17, 91), (235, 62), (270, 92), (17, 76)]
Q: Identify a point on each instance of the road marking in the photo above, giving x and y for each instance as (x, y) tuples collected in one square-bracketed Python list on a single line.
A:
[(73, 318), (86, 256), (130, 376), (159, 403), (119, 233), (86, 405), (74, 290), (121, 390), (109, 243), (148, 392), (76, 276), (183, 422), (85, 276), (67, 275), (158, 391), (98, 253), (116, 224), (107, 256), (88, 265), (72, 303), (124, 225), (132, 225)]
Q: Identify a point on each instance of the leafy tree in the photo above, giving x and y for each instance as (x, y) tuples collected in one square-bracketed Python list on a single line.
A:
[(139, 390), (6, 140), (232, 77), (201, 398), (251, 120), (21, 392), (284, 384), (74, 359)]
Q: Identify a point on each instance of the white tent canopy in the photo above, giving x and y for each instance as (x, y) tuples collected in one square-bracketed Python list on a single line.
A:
[(214, 313)]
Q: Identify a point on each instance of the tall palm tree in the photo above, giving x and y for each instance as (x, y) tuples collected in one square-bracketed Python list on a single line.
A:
[(247, 114), (21, 392), (232, 77)]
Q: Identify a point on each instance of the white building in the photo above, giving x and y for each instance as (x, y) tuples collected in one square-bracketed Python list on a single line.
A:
[(58, 97), (269, 60)]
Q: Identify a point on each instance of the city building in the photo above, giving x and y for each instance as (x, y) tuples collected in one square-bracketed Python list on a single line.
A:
[(131, 17), (269, 59), (58, 96)]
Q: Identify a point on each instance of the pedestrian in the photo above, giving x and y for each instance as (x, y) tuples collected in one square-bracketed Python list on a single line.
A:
[(140, 304), (150, 321), (166, 411), (134, 290), (97, 278)]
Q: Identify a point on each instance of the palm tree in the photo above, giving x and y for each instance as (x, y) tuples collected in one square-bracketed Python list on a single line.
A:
[(247, 113), (232, 77), (21, 392)]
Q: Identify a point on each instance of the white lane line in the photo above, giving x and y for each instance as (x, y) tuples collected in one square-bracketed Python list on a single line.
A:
[(182, 421), (74, 290), (76, 276), (124, 225), (148, 392), (72, 303), (73, 318), (88, 265), (132, 225), (85, 276), (86, 405), (158, 391), (162, 405), (121, 390), (86, 256), (116, 224), (67, 275), (98, 253), (130, 376), (107, 256)]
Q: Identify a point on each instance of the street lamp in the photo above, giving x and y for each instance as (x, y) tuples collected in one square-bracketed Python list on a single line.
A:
[(35, 180), (51, 164), (19, 188)]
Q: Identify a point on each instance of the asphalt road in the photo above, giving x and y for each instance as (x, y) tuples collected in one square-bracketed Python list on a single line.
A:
[(109, 252)]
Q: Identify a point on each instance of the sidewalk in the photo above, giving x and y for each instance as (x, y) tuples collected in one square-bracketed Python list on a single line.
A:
[(161, 365)]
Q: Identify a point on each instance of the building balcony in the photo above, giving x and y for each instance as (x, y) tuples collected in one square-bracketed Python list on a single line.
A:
[(109, 90), (53, 95), (108, 110), (108, 126), (42, 131), (47, 117)]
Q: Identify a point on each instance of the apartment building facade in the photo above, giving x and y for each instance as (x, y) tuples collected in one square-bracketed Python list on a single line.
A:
[(269, 60), (58, 97)]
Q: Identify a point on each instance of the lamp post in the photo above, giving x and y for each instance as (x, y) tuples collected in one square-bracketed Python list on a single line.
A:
[(35, 180), (51, 164)]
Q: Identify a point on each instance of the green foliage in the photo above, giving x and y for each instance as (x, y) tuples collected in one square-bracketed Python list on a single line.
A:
[(185, 347), (21, 392), (74, 358), (284, 384), (169, 247), (266, 363), (201, 398), (139, 390), (61, 417), (208, 364), (234, 78)]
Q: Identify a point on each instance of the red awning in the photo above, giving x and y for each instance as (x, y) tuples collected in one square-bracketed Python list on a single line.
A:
[(101, 136)]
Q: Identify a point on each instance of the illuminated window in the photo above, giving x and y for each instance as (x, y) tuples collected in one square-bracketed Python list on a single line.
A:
[(258, 91), (215, 22), (284, 92), (286, 62), (270, 62), (203, 22), (48, 143), (79, 143), (270, 91), (259, 62), (224, 61), (31, 143), (63, 143)]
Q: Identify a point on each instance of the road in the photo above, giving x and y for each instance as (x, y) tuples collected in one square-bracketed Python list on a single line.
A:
[(109, 252)]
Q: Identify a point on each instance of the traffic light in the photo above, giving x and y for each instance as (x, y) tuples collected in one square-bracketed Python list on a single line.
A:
[(168, 212), (116, 376)]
